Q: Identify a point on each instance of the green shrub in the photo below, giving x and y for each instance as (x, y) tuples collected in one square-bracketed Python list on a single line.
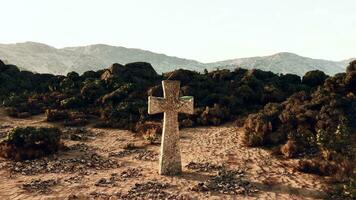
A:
[(345, 191), (30, 142), (72, 102), (338, 142)]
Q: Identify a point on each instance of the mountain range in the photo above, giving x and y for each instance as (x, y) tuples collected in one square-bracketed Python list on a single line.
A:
[(43, 58)]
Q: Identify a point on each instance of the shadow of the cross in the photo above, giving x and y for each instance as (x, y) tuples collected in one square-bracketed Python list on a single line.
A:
[(286, 189)]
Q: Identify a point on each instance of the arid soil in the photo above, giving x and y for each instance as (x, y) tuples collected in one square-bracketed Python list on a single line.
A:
[(116, 164)]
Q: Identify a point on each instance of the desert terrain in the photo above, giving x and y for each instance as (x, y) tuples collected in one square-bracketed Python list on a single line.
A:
[(117, 164)]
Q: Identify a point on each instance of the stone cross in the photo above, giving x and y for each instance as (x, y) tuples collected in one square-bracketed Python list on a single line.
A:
[(171, 104)]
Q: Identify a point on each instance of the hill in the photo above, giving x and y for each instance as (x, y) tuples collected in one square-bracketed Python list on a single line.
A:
[(42, 58), (285, 63)]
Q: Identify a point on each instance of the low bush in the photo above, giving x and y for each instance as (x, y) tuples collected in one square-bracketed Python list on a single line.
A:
[(318, 124), (30, 143)]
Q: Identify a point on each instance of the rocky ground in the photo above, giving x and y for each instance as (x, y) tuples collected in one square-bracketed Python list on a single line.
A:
[(114, 164)]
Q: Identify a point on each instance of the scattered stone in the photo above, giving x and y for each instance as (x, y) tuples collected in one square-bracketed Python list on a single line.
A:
[(78, 134), (147, 155), (108, 182), (100, 195), (72, 197), (203, 167), (226, 182), (124, 153), (87, 159), (142, 154), (149, 190), (74, 179), (40, 186), (81, 147), (103, 182), (130, 146), (131, 173)]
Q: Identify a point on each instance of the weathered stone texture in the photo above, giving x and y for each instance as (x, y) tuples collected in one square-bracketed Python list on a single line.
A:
[(171, 104)]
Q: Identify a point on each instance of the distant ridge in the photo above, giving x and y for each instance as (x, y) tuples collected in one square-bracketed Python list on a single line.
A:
[(43, 58), (285, 62)]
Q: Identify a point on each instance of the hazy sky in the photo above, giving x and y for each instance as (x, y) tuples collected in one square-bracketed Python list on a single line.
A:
[(205, 30)]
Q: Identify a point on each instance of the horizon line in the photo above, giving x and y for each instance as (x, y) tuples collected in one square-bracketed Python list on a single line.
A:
[(136, 48)]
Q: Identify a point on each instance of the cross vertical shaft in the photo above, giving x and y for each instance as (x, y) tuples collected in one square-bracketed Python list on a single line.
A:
[(170, 158), (170, 105)]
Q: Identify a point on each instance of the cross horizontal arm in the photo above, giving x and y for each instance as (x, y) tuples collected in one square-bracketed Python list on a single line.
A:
[(156, 105), (186, 105)]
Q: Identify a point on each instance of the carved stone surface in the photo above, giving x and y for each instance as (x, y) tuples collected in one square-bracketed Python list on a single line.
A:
[(171, 104)]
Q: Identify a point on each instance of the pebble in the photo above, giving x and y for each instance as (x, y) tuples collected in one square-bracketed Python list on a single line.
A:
[(87, 159), (40, 186), (204, 167), (147, 156), (150, 190), (131, 173), (226, 182)]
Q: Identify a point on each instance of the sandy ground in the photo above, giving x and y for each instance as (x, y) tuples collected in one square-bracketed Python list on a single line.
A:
[(273, 177)]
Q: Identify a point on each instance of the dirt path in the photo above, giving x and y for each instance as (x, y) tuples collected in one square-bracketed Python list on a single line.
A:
[(274, 178)]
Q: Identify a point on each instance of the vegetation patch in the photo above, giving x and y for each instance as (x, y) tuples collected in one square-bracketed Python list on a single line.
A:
[(30, 143), (117, 97), (319, 125)]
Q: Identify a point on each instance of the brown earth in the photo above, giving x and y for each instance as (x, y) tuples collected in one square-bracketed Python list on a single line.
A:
[(274, 178)]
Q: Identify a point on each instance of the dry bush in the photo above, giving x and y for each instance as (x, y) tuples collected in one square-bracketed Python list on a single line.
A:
[(144, 127), (290, 149), (318, 124), (150, 136)]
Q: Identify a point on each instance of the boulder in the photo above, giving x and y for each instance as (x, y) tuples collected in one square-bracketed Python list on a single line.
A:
[(114, 70), (141, 69), (105, 75), (182, 75), (314, 78), (138, 72)]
